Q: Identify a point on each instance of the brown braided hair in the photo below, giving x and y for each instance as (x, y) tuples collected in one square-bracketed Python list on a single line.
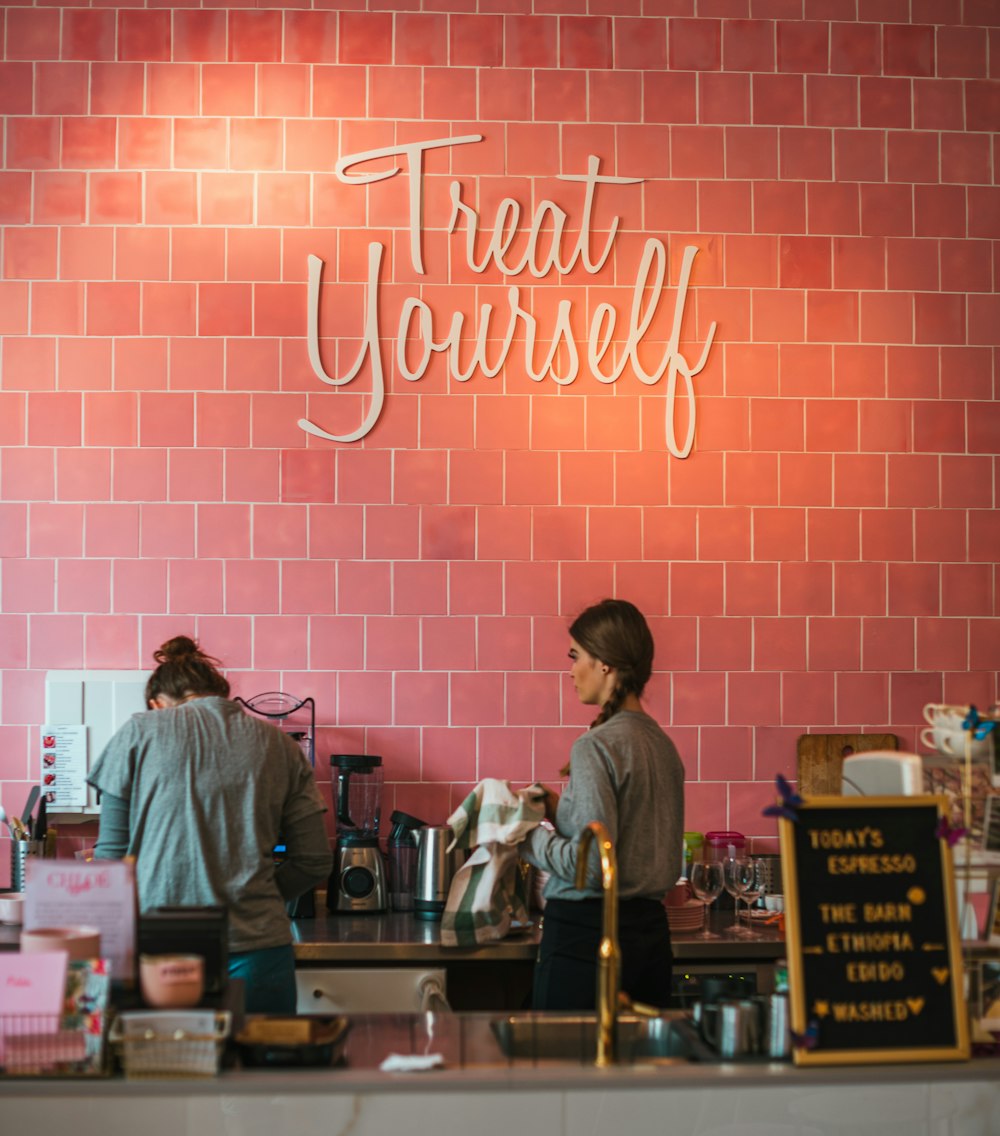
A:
[(616, 633), (184, 671)]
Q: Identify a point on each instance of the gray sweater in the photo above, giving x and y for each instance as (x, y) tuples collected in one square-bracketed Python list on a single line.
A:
[(203, 791), (627, 773)]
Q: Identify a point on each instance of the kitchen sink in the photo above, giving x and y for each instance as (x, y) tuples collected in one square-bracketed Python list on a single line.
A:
[(564, 1037)]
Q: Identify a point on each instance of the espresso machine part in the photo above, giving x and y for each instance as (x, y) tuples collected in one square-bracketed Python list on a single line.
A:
[(403, 859), (357, 883), (435, 868)]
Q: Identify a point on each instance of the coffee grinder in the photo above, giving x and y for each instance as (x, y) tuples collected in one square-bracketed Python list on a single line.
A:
[(357, 882)]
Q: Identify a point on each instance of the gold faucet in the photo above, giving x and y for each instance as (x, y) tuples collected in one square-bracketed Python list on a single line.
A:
[(609, 953)]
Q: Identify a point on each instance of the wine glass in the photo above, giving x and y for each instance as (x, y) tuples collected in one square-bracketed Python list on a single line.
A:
[(706, 882), (755, 890), (737, 877)]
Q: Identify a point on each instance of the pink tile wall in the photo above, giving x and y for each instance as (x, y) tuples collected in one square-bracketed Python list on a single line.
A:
[(824, 560)]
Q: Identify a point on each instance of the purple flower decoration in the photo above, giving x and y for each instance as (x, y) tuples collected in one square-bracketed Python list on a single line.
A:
[(788, 805), (809, 1039), (980, 727), (944, 831)]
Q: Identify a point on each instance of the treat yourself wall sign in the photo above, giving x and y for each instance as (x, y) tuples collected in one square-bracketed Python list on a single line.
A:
[(543, 248)]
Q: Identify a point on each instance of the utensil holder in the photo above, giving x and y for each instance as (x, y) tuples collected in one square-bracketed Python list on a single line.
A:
[(20, 850)]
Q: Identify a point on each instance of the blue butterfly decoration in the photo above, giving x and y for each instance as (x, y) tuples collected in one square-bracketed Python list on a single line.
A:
[(809, 1039), (790, 801), (944, 831), (980, 727)]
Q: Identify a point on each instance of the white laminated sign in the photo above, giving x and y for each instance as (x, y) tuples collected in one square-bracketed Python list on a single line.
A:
[(64, 766)]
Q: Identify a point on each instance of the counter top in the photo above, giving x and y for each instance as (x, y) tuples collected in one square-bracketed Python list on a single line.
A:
[(398, 937), (473, 1063)]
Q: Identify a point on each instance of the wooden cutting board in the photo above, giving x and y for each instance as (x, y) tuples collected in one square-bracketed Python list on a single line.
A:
[(821, 759)]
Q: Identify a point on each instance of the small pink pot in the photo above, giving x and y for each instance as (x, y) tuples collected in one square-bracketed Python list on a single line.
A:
[(81, 942), (171, 982)]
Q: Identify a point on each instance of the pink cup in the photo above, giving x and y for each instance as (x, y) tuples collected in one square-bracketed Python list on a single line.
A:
[(80, 942), (171, 982)]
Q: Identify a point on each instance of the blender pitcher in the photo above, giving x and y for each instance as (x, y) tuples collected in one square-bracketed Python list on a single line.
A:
[(357, 882)]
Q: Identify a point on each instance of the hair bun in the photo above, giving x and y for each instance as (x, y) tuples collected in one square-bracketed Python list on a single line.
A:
[(180, 647)]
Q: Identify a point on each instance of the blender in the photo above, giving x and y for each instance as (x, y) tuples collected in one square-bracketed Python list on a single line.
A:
[(357, 882)]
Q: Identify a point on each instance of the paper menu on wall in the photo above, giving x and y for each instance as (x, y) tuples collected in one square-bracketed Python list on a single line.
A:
[(101, 894), (64, 765)]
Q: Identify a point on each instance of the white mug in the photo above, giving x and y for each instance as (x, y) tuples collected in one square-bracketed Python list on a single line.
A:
[(941, 713), (951, 741)]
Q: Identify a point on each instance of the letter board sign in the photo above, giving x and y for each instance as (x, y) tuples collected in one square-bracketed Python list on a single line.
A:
[(874, 957)]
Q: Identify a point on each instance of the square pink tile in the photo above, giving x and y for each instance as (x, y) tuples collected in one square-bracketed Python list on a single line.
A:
[(308, 587), (863, 700), (112, 530), (724, 644), (942, 644), (503, 643), (586, 477), (253, 475), (392, 532), (139, 586), (28, 585), (476, 588), (751, 479), (336, 642), (533, 699), (612, 533), (583, 583), (531, 589), (697, 697), (509, 751), (55, 530), (697, 589), (477, 699), (805, 589), (726, 753), (364, 698), (14, 641), (282, 640), (747, 45), (167, 530), (252, 587), (559, 533), (13, 529), (419, 588), (196, 475), (807, 699), (111, 642), (421, 698)]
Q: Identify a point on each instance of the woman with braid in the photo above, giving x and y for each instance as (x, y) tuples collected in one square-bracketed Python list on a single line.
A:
[(625, 772)]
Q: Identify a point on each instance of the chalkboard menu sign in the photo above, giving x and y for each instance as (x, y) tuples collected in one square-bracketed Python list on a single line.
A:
[(874, 958)]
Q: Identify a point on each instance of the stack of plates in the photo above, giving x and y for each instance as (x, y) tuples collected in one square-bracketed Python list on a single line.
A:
[(686, 918)]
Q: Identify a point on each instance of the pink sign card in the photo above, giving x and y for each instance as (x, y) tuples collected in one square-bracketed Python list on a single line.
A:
[(32, 989)]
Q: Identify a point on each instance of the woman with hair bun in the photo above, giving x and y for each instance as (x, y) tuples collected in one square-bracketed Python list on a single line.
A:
[(625, 772), (198, 792)]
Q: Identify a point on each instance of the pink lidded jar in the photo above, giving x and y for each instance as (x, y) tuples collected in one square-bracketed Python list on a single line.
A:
[(718, 844)]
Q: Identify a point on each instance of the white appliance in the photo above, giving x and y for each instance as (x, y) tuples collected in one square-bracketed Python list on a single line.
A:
[(883, 773), (100, 701), (371, 990)]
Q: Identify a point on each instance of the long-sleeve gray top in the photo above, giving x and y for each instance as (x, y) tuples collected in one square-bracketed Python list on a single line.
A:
[(628, 774), (199, 794)]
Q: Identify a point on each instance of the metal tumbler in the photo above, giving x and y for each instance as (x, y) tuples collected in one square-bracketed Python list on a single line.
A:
[(20, 850)]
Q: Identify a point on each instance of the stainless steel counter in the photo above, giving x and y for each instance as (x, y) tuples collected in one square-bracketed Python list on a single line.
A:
[(398, 938)]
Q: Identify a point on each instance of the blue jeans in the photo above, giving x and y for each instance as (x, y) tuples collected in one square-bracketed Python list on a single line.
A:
[(268, 977)]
